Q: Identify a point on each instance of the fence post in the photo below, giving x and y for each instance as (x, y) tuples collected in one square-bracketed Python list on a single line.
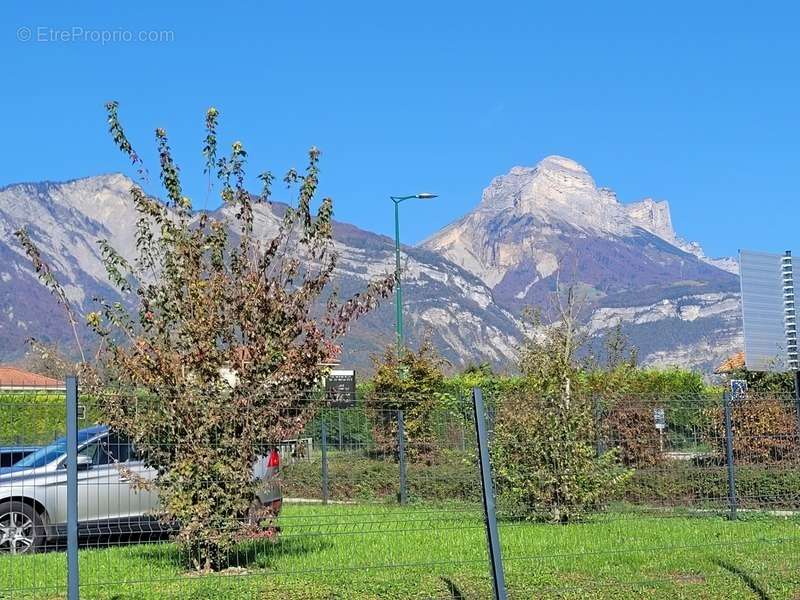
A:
[(490, 516), (72, 488), (462, 422), (729, 455), (324, 446), (598, 425), (797, 401), (401, 451), (339, 414)]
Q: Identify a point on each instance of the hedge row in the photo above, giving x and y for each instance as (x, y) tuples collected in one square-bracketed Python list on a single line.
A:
[(31, 418), (355, 476), (454, 477), (776, 487), (36, 418)]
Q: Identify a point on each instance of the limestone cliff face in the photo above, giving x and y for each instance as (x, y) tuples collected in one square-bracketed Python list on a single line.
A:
[(66, 220), (465, 286), (655, 217), (537, 225)]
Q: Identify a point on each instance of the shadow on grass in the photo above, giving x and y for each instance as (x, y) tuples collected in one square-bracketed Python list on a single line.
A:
[(256, 554), (745, 577), (453, 589)]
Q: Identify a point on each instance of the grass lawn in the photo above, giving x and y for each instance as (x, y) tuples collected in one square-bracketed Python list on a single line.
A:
[(385, 551)]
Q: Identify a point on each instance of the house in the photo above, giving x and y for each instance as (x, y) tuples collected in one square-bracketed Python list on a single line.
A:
[(15, 379), (731, 364)]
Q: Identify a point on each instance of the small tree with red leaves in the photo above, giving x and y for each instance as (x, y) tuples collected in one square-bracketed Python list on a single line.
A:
[(219, 339)]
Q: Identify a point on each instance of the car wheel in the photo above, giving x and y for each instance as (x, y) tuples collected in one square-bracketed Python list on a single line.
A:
[(21, 529)]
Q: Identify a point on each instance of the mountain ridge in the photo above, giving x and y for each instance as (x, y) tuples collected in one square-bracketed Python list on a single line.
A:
[(466, 285), (65, 220), (536, 228)]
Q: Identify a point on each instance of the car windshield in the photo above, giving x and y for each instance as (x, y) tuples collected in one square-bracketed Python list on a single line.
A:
[(51, 452)]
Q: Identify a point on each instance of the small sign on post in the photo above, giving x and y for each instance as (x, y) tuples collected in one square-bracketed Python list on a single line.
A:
[(340, 388), (738, 389), (660, 418)]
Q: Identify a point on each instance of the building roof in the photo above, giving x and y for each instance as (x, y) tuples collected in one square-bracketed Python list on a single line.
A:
[(15, 378), (731, 364)]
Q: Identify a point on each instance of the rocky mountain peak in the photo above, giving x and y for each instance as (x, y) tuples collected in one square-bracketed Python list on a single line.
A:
[(556, 190), (654, 216)]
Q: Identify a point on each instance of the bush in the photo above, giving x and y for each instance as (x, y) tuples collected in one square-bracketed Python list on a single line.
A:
[(764, 430), (629, 427), (37, 418), (412, 383), (546, 466)]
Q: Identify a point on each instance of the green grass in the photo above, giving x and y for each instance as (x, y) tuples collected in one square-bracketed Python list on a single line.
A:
[(424, 551)]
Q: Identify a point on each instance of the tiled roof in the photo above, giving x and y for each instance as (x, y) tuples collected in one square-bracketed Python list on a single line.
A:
[(732, 363), (12, 377)]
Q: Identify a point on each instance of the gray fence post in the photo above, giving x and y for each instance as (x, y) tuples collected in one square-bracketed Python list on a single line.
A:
[(72, 488), (490, 516), (339, 414), (324, 446), (401, 451), (729, 456), (598, 425), (797, 401)]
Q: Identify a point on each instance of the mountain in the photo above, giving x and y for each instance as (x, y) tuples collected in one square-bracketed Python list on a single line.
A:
[(66, 220), (534, 227), (538, 227)]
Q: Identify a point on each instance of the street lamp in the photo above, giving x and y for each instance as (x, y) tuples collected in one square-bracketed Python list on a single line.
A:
[(398, 295)]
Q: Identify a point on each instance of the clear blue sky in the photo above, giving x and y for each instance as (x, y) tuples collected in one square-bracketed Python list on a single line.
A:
[(696, 103)]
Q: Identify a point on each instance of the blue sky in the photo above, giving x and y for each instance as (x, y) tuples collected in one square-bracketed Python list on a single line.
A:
[(696, 103)]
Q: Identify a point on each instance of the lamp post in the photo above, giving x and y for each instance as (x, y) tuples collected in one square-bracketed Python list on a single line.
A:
[(398, 294)]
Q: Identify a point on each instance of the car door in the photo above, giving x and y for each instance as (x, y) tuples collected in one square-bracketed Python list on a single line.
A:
[(112, 489), (97, 482), (102, 493), (108, 501)]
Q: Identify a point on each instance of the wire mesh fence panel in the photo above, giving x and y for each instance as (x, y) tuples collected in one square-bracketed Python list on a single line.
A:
[(177, 499), (629, 497), (289, 496), (32, 478)]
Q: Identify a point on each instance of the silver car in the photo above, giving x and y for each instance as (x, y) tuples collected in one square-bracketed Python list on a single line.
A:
[(33, 492)]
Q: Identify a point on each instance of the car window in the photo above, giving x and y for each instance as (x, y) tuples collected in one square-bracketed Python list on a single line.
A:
[(91, 451), (110, 449), (53, 451), (115, 448)]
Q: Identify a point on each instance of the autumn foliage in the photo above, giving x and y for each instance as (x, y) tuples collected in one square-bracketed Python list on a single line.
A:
[(214, 349)]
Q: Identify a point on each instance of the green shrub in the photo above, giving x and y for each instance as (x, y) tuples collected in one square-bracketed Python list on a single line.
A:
[(37, 418), (412, 382), (545, 461)]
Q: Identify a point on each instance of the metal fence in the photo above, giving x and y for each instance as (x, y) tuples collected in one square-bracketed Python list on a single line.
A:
[(604, 497)]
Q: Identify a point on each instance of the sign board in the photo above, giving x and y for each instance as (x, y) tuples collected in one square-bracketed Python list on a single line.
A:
[(660, 418), (340, 388), (767, 284), (738, 389)]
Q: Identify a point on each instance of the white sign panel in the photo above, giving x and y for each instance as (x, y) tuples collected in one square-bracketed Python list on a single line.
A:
[(660, 418)]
